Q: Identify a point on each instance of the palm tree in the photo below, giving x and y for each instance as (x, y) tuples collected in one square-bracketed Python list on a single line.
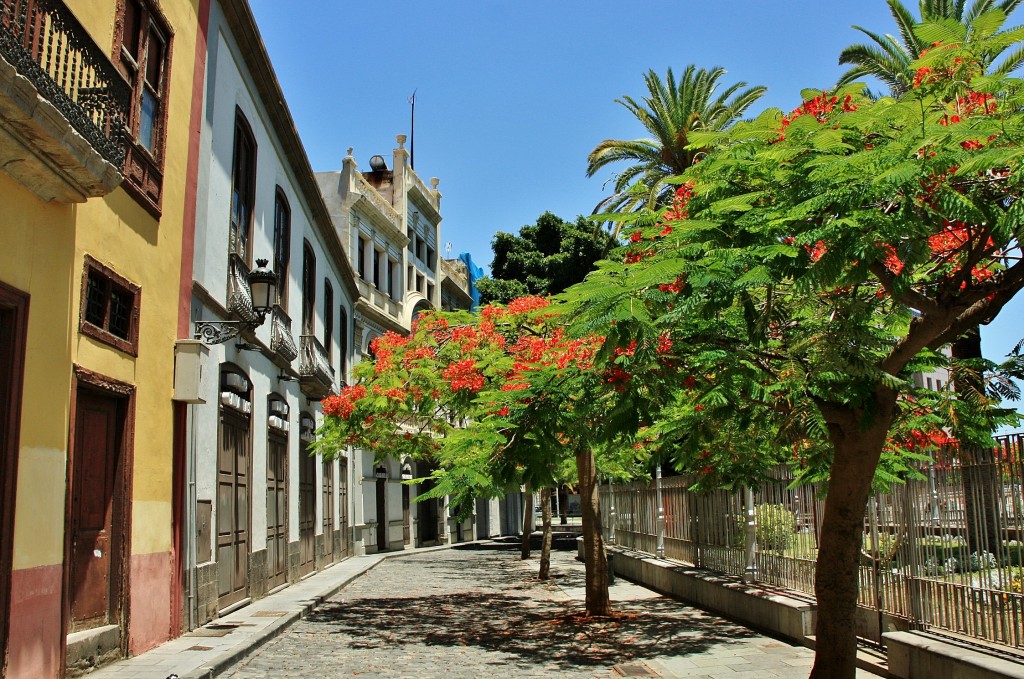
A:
[(669, 112), (889, 57)]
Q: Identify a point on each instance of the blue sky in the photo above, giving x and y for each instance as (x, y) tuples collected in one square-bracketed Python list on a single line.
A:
[(512, 96)]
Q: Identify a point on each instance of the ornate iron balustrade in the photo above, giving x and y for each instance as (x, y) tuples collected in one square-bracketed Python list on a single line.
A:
[(239, 295), (48, 46), (315, 372), (281, 341)]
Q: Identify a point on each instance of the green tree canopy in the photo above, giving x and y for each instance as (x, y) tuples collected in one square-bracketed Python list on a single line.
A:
[(544, 259)]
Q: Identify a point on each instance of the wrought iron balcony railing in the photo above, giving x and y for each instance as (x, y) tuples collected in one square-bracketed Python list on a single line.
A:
[(281, 341), (316, 375), (48, 46), (239, 299)]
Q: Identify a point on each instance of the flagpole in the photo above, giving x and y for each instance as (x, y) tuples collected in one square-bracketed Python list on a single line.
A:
[(412, 131)]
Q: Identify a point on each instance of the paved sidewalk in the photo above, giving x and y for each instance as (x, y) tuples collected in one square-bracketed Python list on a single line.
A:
[(206, 652), (472, 611)]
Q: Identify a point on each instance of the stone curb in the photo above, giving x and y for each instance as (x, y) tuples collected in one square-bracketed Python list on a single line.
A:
[(225, 660)]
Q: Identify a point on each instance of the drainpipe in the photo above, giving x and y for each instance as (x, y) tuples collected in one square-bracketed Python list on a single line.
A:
[(190, 536)]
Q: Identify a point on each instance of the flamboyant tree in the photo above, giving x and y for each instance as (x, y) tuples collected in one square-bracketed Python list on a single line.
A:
[(498, 399), (810, 262)]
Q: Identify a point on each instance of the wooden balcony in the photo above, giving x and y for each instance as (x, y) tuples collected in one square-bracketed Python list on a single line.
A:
[(63, 104)]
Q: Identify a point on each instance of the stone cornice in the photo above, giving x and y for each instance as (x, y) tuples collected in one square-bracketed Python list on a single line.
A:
[(364, 308)]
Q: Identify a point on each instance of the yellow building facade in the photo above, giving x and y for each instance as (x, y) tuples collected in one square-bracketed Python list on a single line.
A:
[(94, 198)]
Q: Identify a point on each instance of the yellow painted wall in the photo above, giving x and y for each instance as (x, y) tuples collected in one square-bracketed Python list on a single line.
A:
[(117, 231), (38, 248)]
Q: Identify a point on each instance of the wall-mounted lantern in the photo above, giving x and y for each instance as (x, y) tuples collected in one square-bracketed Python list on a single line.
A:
[(263, 286)]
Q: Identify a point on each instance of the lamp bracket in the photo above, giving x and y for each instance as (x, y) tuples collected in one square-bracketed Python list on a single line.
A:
[(218, 332)]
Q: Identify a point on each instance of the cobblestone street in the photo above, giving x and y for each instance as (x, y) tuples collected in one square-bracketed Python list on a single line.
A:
[(483, 613)]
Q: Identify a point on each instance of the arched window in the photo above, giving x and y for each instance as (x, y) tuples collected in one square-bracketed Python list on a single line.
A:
[(243, 189), (308, 289), (282, 245), (328, 320)]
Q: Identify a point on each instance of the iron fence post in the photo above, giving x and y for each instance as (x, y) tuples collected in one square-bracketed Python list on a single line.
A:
[(660, 549)]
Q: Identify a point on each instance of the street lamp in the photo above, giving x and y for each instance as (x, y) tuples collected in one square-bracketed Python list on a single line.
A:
[(263, 288), (406, 472)]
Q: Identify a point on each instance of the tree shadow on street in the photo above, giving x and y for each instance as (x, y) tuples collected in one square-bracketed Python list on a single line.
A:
[(525, 618)]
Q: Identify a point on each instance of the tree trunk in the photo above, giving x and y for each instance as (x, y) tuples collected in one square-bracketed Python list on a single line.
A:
[(979, 472), (595, 559), (545, 543), (858, 446), (524, 545)]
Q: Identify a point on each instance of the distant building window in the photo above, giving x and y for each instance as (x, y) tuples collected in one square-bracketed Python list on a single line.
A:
[(142, 49), (431, 264), (362, 258), (282, 245), (430, 291), (377, 255), (394, 272), (243, 189), (109, 307)]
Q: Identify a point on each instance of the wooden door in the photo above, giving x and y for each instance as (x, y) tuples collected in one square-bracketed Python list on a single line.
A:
[(328, 511), (427, 517), (233, 490), (307, 510), (13, 312), (406, 518), (346, 534), (277, 509), (382, 516), (95, 563)]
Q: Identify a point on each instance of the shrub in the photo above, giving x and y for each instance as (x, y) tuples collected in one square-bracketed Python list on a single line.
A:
[(775, 527)]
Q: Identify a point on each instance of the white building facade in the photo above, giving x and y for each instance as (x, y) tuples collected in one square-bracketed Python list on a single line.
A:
[(265, 513)]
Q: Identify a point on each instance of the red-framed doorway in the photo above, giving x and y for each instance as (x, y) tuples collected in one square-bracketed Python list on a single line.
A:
[(99, 480), (13, 330)]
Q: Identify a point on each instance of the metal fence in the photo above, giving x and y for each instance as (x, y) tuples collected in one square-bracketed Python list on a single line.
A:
[(944, 552)]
